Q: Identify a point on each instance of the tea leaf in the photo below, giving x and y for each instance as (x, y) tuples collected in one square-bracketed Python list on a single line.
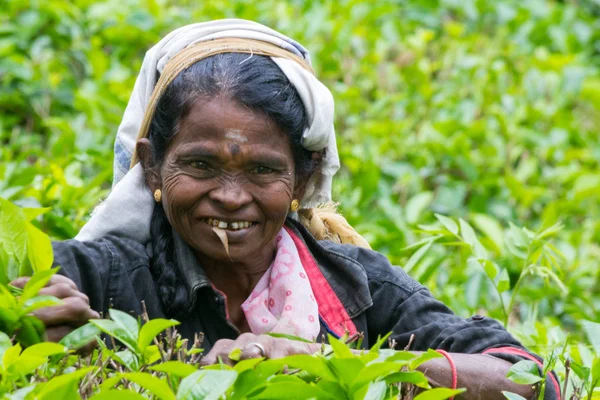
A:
[(157, 387), (175, 368), (81, 336), (206, 385), (448, 223), (512, 396), (222, 234), (524, 372), (152, 328), (439, 394)]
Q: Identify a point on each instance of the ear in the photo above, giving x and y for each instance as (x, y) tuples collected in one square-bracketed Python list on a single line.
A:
[(143, 148)]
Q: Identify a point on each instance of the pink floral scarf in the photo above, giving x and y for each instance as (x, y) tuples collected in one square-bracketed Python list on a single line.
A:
[(283, 300)]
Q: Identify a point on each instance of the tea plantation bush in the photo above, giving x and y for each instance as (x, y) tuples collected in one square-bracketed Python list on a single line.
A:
[(468, 132)]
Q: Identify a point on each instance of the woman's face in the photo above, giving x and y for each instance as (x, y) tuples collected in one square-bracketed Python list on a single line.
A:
[(232, 168)]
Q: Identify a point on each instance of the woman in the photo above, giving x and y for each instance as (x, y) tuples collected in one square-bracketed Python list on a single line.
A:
[(236, 144)]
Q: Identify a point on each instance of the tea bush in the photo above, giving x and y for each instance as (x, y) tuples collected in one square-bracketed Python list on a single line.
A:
[(468, 133)]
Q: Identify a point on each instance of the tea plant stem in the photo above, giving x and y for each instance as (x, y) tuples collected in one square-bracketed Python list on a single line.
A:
[(513, 297), (502, 304), (566, 380)]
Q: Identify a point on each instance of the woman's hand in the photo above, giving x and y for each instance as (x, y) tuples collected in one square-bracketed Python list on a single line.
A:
[(64, 318), (252, 346)]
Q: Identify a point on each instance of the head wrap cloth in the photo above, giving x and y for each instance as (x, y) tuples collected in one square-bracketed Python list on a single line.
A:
[(127, 210)]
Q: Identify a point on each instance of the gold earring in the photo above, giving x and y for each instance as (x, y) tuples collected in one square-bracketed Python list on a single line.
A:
[(294, 206), (157, 195)]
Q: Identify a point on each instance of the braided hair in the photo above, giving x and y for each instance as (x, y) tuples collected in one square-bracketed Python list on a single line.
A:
[(255, 82)]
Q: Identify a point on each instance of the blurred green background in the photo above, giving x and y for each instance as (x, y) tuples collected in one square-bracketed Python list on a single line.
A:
[(487, 111)]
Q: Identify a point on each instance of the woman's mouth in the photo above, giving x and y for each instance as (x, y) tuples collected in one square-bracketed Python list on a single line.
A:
[(230, 226)]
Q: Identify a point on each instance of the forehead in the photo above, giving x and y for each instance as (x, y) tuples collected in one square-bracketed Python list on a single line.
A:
[(227, 121)]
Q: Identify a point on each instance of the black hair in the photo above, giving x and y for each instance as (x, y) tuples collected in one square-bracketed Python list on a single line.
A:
[(253, 81)]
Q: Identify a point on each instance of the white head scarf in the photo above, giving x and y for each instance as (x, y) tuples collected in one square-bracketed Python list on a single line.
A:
[(127, 210)]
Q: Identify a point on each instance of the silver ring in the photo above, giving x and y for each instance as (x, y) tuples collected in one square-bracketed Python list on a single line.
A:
[(259, 346)]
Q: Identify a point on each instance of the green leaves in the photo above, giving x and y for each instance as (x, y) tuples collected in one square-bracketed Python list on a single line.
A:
[(524, 372), (36, 283), (206, 385), (175, 368), (152, 328), (24, 249), (81, 336), (448, 223), (439, 394), (592, 330), (45, 349), (152, 384), (512, 396), (117, 331), (126, 329)]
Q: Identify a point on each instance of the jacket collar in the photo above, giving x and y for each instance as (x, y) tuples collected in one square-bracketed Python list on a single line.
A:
[(194, 276)]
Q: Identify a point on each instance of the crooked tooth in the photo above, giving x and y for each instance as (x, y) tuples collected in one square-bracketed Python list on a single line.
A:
[(215, 223), (222, 225), (234, 225)]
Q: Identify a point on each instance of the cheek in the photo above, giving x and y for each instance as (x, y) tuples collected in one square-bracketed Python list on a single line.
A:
[(179, 194), (276, 201)]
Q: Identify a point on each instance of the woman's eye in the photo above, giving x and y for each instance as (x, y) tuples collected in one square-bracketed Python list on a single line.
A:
[(200, 165), (262, 170)]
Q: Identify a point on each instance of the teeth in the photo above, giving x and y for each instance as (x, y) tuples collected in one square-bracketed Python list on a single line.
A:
[(231, 226)]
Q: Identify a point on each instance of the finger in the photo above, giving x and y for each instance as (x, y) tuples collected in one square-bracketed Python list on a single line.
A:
[(241, 342), (56, 333), (88, 348), (262, 346), (221, 349), (63, 290), (74, 311), (293, 347), (62, 279), (277, 348), (20, 282), (253, 350)]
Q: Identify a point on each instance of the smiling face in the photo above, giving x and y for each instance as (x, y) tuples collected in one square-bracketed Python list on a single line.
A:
[(232, 167)]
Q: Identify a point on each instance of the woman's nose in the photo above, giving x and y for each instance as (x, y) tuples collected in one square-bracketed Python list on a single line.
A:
[(230, 196)]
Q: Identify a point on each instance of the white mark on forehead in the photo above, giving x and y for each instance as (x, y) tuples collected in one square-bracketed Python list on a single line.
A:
[(236, 135)]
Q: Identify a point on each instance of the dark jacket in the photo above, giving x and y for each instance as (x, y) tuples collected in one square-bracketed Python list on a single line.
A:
[(375, 296)]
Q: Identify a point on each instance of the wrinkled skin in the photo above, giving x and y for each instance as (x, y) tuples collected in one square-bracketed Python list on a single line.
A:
[(232, 164)]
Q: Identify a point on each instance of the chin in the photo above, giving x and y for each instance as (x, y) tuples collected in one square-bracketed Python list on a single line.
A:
[(219, 254)]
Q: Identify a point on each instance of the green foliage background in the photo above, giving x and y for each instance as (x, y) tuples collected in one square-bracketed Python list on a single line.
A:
[(487, 111)]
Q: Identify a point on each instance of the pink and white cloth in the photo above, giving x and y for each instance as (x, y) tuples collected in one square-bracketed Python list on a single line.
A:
[(283, 300)]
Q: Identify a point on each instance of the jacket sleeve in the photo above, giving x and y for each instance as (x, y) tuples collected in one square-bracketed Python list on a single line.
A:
[(112, 272), (412, 310)]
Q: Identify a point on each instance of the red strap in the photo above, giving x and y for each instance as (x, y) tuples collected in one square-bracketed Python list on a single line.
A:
[(452, 367), (331, 309), (523, 353)]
